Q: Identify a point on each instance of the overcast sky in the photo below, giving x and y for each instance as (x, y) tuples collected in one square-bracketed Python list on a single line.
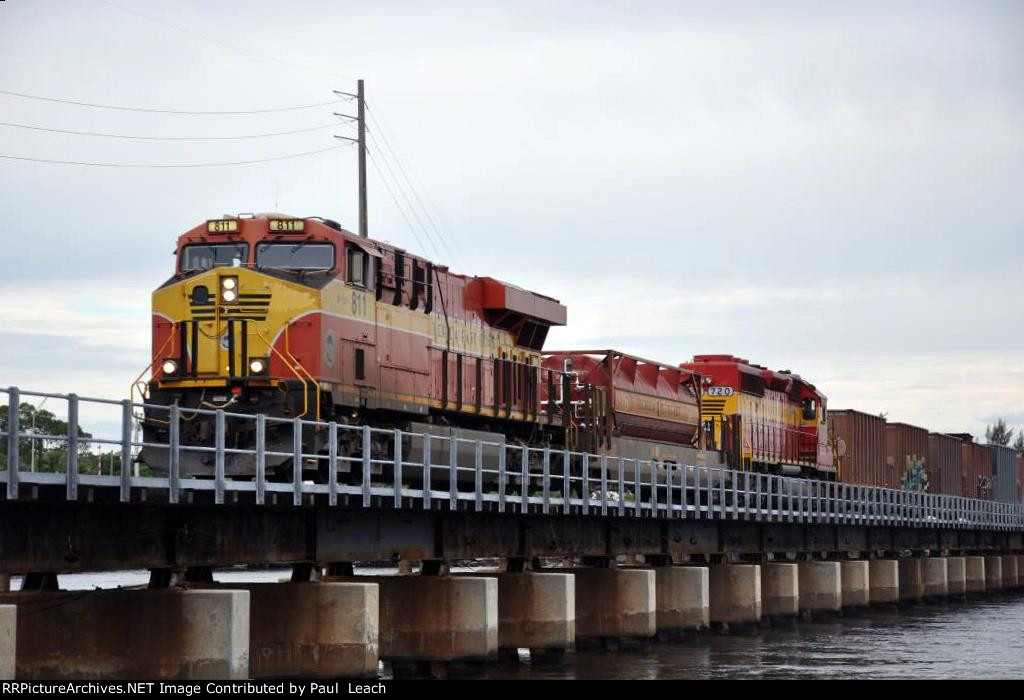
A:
[(833, 188)]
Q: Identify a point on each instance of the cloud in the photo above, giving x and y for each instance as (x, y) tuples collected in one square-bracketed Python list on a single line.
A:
[(95, 315), (831, 188), (90, 339), (925, 354)]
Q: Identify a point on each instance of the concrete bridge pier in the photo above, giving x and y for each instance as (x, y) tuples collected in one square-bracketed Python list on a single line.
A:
[(911, 581), (956, 577), (313, 630), (993, 574), (435, 619), (856, 584), (8, 641), (780, 592), (975, 576), (934, 579), (682, 595), (127, 635), (735, 595), (884, 582), (1010, 572), (537, 611), (614, 604), (821, 588)]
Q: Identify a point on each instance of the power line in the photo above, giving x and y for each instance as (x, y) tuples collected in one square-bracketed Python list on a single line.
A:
[(398, 183), (398, 162), (168, 138), (411, 206), (165, 111), (220, 42), (171, 165), (373, 161)]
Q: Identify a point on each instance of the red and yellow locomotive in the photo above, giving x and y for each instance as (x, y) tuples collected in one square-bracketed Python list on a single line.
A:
[(764, 420), (296, 317)]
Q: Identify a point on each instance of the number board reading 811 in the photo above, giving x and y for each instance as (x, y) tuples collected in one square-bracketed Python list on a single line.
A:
[(222, 226), (286, 225)]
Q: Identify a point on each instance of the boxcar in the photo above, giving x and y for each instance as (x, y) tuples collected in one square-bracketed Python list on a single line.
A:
[(859, 443), (945, 465), (906, 456)]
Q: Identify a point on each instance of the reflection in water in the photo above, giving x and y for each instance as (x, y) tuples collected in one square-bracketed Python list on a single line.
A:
[(980, 639)]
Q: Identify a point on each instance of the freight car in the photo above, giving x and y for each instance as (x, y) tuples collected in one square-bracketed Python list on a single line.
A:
[(1020, 478), (1004, 474), (626, 406), (945, 465), (858, 439), (299, 318), (763, 420), (906, 456), (977, 467)]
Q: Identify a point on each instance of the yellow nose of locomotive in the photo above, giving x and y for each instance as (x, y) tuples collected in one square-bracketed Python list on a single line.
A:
[(217, 319), (218, 325)]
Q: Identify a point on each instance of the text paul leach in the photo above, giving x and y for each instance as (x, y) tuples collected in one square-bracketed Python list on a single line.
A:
[(193, 689)]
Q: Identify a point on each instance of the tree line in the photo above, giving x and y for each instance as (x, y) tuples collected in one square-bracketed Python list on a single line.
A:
[(1001, 434), (51, 454)]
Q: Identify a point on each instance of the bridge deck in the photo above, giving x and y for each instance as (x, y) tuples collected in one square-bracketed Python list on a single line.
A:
[(556, 481)]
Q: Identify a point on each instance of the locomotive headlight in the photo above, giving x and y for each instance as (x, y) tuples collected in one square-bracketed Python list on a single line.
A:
[(169, 367), (229, 289), (257, 365)]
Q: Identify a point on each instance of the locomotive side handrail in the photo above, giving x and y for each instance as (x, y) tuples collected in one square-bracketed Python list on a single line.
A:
[(507, 478)]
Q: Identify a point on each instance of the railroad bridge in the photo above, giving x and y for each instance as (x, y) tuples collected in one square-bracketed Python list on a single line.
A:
[(443, 550)]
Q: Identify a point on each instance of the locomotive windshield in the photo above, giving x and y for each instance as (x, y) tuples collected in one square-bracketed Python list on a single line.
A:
[(206, 256), (295, 256)]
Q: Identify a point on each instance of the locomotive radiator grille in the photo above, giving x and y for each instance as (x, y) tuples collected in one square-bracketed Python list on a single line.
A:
[(713, 407), (250, 307)]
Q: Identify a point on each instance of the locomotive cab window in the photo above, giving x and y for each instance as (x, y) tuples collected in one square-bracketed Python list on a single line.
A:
[(357, 269), (208, 256), (809, 409), (304, 256)]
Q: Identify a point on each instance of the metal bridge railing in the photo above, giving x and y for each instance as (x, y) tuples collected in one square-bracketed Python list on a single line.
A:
[(453, 473)]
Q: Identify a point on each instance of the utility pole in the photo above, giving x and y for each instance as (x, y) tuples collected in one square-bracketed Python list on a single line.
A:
[(361, 99), (360, 119)]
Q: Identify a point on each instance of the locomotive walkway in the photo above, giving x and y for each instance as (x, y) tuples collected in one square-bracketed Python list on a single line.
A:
[(590, 547)]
